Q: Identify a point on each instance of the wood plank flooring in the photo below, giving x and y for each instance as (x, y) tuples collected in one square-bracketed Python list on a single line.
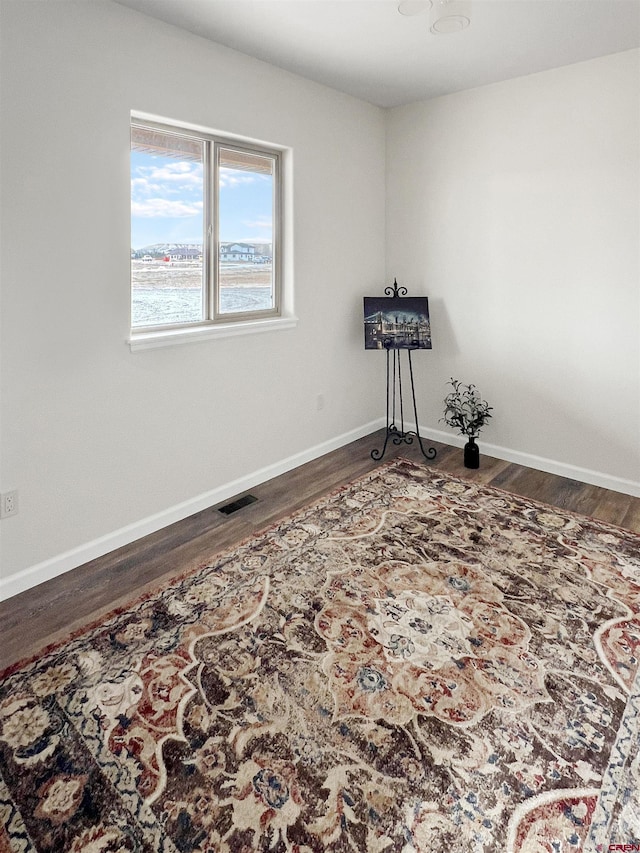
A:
[(51, 610)]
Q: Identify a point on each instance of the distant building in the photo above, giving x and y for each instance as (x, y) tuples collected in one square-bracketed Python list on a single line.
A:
[(185, 253), (237, 252)]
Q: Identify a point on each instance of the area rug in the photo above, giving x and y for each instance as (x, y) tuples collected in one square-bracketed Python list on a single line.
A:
[(415, 663)]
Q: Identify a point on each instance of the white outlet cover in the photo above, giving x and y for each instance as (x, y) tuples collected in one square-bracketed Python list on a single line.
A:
[(9, 504)]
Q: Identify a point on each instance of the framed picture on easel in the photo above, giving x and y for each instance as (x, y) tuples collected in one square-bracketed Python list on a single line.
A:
[(394, 322)]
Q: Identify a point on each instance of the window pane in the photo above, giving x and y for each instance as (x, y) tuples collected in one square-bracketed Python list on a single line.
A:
[(245, 231), (167, 209)]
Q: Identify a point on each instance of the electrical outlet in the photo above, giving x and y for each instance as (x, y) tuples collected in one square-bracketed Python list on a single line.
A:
[(9, 504)]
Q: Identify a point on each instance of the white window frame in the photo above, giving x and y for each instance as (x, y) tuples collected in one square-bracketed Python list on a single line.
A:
[(216, 324)]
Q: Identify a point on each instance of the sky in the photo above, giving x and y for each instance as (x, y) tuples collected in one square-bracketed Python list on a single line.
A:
[(167, 202)]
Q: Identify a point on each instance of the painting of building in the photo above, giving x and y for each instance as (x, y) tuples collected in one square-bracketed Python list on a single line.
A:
[(396, 323)]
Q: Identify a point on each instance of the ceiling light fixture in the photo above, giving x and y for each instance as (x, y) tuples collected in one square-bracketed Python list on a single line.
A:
[(449, 16)]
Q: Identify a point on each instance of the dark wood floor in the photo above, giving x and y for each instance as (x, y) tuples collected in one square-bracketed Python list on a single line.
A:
[(51, 610)]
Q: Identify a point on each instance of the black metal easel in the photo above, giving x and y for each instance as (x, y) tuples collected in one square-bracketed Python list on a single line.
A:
[(394, 393)]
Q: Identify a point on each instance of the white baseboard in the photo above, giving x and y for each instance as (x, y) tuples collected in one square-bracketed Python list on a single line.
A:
[(55, 566), (41, 572), (529, 460)]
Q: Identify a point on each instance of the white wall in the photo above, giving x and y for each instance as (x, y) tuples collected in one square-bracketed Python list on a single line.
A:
[(515, 208), (97, 438)]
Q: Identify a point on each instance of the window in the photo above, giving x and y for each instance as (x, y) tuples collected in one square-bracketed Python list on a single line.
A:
[(205, 229)]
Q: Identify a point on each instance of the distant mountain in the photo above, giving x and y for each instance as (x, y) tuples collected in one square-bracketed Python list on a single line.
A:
[(159, 250)]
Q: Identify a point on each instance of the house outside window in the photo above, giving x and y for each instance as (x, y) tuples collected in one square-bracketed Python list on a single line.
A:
[(206, 233)]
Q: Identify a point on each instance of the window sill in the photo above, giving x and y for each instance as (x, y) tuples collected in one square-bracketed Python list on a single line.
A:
[(193, 334)]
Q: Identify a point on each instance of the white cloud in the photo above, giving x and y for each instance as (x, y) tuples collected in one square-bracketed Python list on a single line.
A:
[(232, 177), (164, 207), (169, 179), (142, 186), (171, 174), (261, 222)]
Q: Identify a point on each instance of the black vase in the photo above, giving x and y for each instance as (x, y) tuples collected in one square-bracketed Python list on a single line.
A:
[(471, 453)]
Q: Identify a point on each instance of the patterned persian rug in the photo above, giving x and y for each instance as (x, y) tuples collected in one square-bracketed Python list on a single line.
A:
[(415, 663)]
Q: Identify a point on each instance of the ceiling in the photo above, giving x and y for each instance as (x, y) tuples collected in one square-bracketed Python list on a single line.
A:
[(368, 49)]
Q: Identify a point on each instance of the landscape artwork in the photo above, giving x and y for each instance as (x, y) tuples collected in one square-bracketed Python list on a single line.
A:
[(392, 322)]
